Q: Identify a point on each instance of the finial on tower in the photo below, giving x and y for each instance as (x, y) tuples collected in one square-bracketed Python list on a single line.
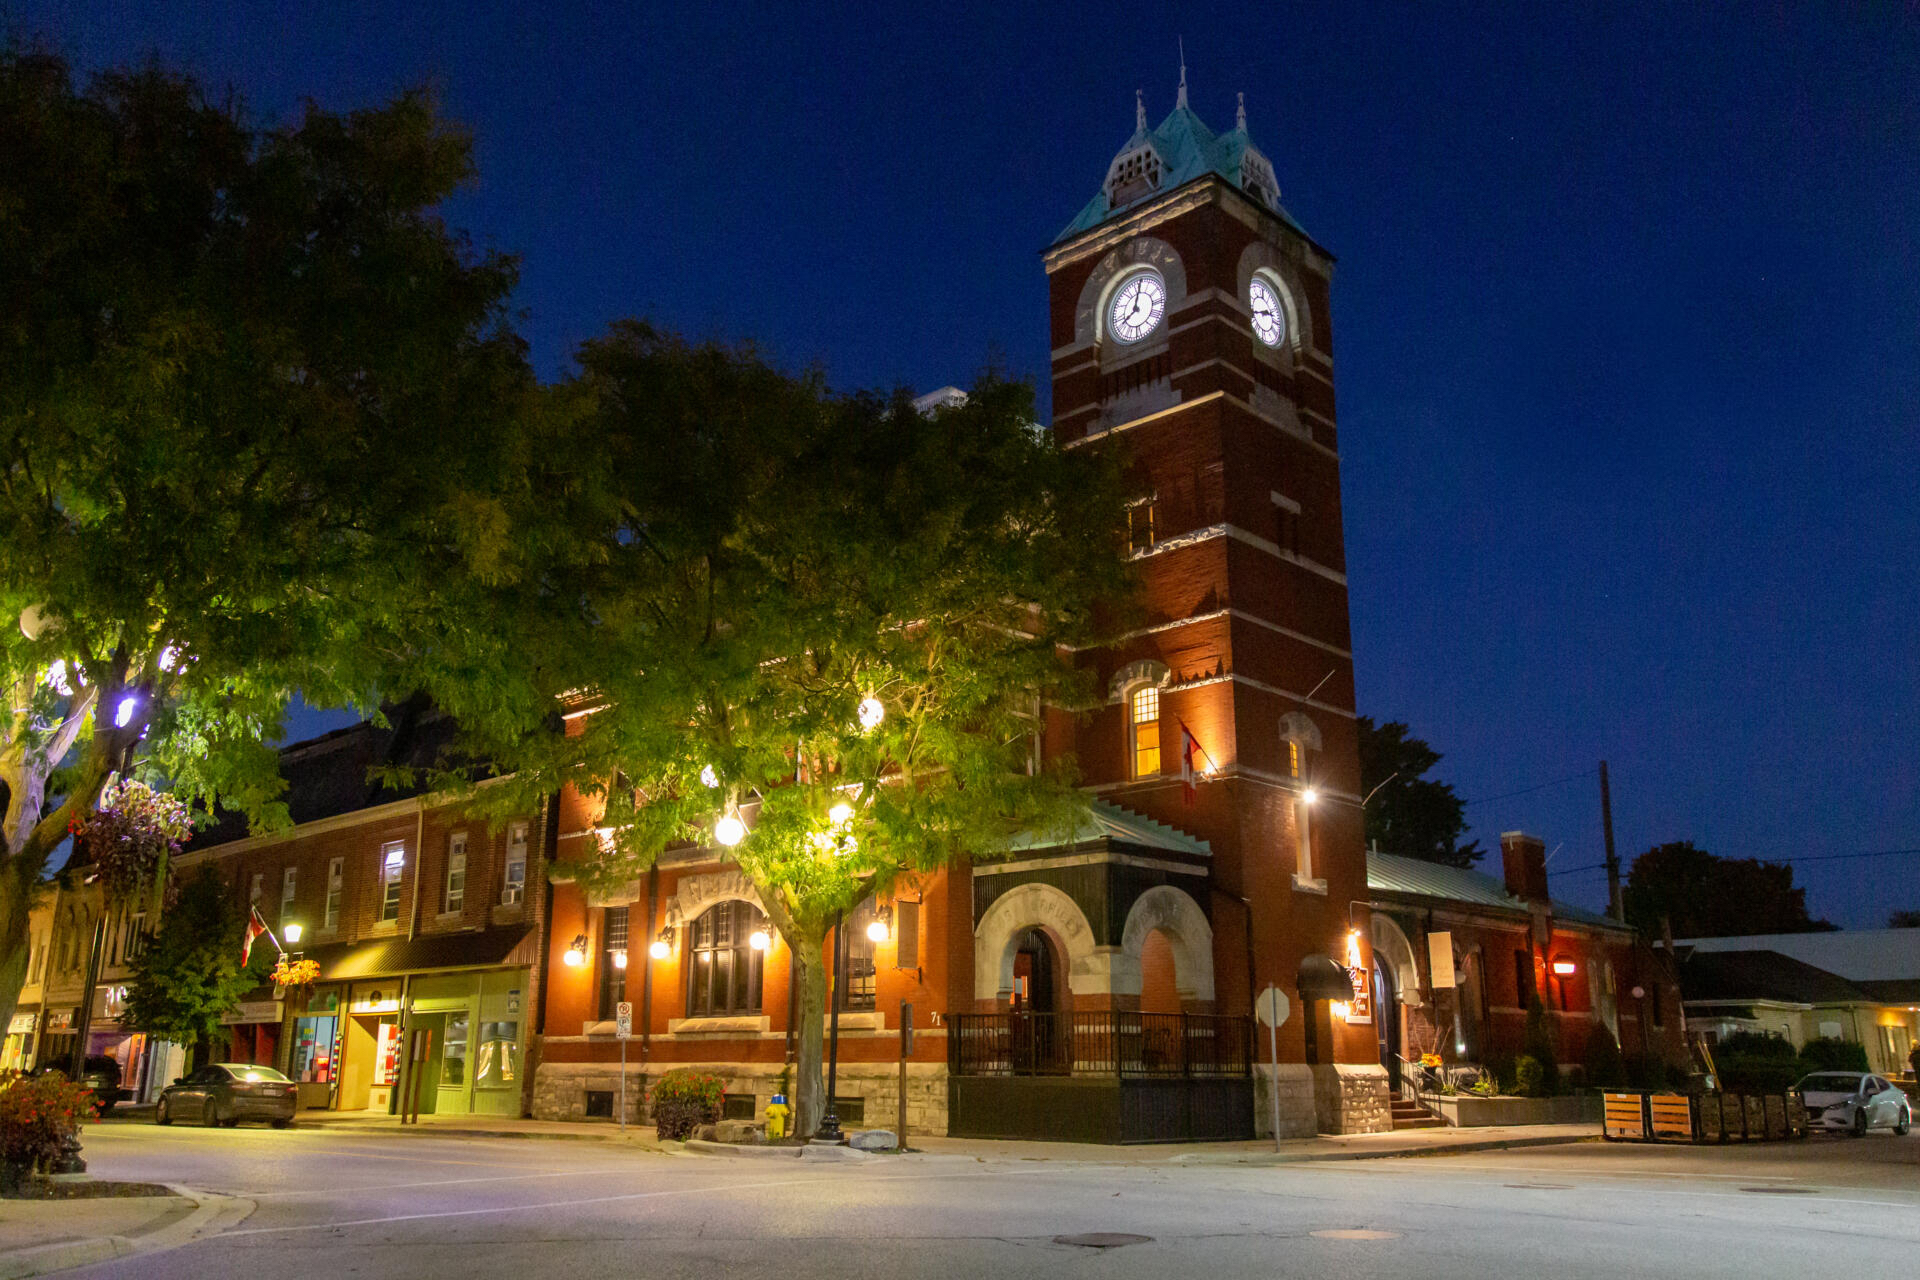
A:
[(1139, 108), (1240, 114), (1183, 72)]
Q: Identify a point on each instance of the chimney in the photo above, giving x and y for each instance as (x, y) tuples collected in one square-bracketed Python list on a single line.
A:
[(1524, 859)]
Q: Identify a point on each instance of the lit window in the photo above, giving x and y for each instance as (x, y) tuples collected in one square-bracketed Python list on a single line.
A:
[(393, 864), (1144, 721), (1140, 526), (723, 967), (514, 882), (456, 895), (336, 882), (1293, 758), (289, 889)]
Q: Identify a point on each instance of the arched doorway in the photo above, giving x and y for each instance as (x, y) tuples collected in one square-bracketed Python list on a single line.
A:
[(1035, 973), (1386, 1021), (1159, 974), (1040, 1035)]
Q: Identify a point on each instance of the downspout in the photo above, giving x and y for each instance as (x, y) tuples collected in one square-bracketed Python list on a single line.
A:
[(646, 972), (419, 868)]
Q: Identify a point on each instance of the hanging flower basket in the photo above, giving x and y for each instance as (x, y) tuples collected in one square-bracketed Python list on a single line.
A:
[(295, 974)]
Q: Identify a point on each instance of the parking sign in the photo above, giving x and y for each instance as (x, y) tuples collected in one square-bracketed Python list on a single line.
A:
[(623, 1019)]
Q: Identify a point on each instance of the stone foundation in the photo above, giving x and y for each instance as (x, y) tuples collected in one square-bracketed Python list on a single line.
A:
[(1298, 1118), (1352, 1098), (560, 1091)]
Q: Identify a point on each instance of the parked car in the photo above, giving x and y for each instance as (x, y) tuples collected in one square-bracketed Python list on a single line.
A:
[(225, 1093), (1854, 1101), (100, 1074)]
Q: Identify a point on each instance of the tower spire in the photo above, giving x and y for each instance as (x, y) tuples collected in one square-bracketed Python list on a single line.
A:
[(1240, 114), (1139, 108), (1183, 72)]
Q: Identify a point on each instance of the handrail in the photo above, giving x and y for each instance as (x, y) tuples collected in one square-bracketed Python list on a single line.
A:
[(1100, 1043)]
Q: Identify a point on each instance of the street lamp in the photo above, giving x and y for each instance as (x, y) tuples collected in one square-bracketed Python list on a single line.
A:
[(1309, 796), (872, 711), (730, 831), (576, 953), (759, 940), (662, 945), (880, 928), (830, 1123)]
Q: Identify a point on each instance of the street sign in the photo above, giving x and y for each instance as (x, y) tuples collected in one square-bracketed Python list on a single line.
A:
[(623, 1019), (1273, 1007), (906, 1028)]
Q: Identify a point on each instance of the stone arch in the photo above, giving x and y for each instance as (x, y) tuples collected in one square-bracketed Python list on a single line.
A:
[(1280, 271), (1391, 946), (1142, 671), (1179, 918), (693, 895), (1036, 906), (1122, 260), (1298, 727)]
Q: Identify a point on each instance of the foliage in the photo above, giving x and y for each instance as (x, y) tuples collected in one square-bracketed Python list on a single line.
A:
[(1410, 814), (37, 1113), (1537, 1043), (744, 558), (1830, 1053), (190, 974), (1755, 1044), (1601, 1063), (1701, 895), (131, 838), (1907, 918), (1651, 1071), (255, 400), (1530, 1077), (1753, 1073), (294, 973), (686, 1098)]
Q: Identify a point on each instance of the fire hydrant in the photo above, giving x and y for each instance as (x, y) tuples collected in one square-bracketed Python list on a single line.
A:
[(777, 1113)]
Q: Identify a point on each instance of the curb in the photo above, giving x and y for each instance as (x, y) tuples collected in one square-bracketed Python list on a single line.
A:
[(809, 1154), (210, 1214), (1448, 1149), (589, 1134)]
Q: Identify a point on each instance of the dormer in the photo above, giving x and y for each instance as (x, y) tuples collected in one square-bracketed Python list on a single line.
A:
[(1135, 172)]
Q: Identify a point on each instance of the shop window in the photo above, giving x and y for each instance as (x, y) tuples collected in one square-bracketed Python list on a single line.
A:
[(453, 1053), (613, 960), (455, 897), (393, 866), (862, 972), (1143, 725), (313, 1049), (723, 967), (496, 1060), (513, 884), (336, 883)]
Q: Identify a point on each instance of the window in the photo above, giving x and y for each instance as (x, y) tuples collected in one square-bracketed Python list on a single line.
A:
[(1286, 524), (514, 883), (613, 960), (1143, 722), (336, 881), (259, 889), (862, 972), (1294, 767), (289, 889), (455, 898), (39, 962), (393, 864), (1140, 526), (723, 968)]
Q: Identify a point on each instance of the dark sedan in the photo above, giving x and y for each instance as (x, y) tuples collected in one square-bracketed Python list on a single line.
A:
[(225, 1093)]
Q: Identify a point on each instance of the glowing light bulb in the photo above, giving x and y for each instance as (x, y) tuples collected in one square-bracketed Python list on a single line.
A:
[(573, 958), (759, 940), (729, 831), (619, 959), (877, 931), (871, 714), (659, 949), (1309, 796), (123, 714), (841, 814), (291, 932)]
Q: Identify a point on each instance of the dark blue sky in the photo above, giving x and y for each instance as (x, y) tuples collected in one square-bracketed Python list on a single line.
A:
[(1627, 320)]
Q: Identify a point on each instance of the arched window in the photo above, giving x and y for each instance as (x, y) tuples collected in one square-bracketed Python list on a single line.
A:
[(1143, 729), (723, 966)]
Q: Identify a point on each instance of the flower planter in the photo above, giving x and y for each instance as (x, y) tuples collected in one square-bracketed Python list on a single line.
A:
[(1468, 1111)]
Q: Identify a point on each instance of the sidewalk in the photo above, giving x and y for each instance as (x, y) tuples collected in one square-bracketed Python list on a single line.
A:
[(39, 1236)]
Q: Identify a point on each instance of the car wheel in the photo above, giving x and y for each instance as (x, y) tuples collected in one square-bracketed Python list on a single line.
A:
[(1859, 1129), (1906, 1122), (209, 1114), (283, 1124), (160, 1114)]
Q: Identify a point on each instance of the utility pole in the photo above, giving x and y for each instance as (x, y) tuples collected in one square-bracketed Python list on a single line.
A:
[(1613, 859)]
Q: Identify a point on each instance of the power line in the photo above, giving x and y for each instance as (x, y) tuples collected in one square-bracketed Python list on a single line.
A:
[(1789, 858), (1524, 791)]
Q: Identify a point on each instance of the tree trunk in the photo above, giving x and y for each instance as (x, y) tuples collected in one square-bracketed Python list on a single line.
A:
[(16, 941), (809, 1089)]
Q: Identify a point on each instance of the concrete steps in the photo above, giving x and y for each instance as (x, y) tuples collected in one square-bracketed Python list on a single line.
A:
[(1408, 1114)]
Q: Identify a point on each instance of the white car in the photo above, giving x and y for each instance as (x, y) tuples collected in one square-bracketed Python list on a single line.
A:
[(1855, 1101)]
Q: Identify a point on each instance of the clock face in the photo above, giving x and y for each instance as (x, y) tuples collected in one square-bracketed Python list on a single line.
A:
[(1137, 307), (1269, 322)]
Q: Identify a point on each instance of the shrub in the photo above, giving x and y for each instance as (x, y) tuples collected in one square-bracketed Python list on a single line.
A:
[(1538, 1045), (1601, 1065), (1499, 1069), (36, 1115), (1754, 1044), (686, 1098), (1755, 1073), (1530, 1077), (1830, 1053)]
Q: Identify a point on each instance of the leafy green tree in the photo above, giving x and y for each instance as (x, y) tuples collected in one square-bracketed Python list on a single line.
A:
[(741, 560), (1408, 813), (190, 975), (1905, 919), (255, 400), (1701, 895)]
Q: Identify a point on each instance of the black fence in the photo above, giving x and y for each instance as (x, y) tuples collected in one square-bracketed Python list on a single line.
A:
[(1101, 1044)]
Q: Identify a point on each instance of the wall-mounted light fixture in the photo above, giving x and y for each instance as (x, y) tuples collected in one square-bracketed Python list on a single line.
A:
[(662, 945), (620, 959), (576, 953), (880, 928), (1564, 968), (291, 932)]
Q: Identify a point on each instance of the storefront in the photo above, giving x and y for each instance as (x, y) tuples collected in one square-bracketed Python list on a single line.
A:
[(17, 1053), (471, 1011), (253, 1032)]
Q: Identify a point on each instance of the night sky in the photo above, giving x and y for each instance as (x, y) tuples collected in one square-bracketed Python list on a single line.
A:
[(1627, 321)]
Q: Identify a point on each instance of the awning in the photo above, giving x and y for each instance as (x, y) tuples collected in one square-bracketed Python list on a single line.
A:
[(1322, 979), (391, 957)]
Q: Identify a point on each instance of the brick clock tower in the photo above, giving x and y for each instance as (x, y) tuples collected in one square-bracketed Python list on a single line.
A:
[(1191, 330)]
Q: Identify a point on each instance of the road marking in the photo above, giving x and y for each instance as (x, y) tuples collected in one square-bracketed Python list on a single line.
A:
[(1354, 1233), (357, 1188)]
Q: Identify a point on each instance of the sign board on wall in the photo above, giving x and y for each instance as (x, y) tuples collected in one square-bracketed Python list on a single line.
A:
[(623, 1019), (1440, 959)]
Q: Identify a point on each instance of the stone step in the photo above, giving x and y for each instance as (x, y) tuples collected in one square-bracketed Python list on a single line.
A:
[(1421, 1122)]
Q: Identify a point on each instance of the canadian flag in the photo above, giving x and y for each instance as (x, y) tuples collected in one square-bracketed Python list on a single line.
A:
[(255, 927), (1187, 747)]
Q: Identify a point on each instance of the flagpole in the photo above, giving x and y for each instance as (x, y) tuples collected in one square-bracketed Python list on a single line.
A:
[(1214, 764)]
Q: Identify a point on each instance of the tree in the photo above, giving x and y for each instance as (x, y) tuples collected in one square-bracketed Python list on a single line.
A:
[(1907, 919), (1700, 895), (830, 618), (255, 400), (1408, 813), (190, 975)]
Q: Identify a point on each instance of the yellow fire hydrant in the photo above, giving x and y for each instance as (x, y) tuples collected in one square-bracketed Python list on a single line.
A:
[(777, 1113)]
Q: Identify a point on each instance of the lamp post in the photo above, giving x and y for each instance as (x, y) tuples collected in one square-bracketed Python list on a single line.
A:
[(830, 1123)]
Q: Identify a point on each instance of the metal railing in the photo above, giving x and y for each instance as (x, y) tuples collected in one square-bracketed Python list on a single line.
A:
[(1134, 1045)]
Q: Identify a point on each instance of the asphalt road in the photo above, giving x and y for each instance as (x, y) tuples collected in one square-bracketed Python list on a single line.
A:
[(378, 1205)]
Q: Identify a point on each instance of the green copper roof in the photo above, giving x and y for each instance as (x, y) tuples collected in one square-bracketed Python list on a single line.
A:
[(1111, 822), (1390, 873), (1180, 150)]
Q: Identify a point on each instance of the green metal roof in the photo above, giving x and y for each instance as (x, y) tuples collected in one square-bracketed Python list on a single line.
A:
[(1111, 822), (1390, 873), (1187, 149)]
